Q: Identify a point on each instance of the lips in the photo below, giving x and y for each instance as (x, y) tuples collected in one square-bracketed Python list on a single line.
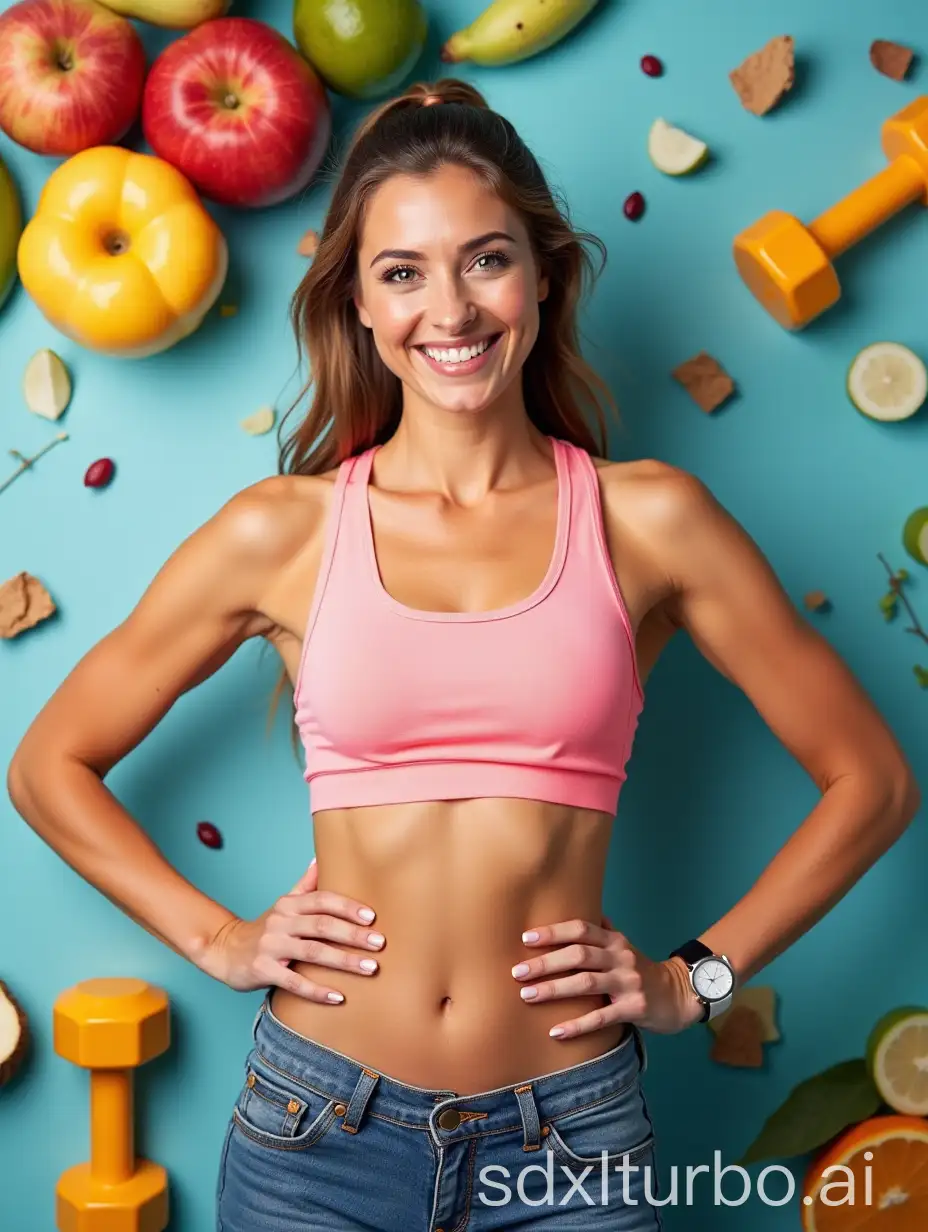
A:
[(464, 367)]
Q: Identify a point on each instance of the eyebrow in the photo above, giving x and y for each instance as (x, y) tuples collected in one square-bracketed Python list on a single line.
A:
[(407, 254)]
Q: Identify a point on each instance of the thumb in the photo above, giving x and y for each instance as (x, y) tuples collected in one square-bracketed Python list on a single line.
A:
[(309, 880)]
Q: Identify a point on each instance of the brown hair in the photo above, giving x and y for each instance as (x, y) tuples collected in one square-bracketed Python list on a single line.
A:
[(356, 400)]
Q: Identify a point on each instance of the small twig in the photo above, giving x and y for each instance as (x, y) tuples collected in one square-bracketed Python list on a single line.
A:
[(25, 463), (895, 585)]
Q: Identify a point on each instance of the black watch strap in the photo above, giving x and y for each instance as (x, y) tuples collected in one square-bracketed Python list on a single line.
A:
[(692, 951)]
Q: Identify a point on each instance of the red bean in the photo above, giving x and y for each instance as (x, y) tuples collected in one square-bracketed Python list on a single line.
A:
[(99, 473), (208, 835), (634, 206), (652, 66)]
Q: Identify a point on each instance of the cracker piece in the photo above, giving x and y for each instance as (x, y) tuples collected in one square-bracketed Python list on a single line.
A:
[(740, 1042), (764, 77), (308, 244), (705, 380), (815, 600), (761, 998), (24, 601)]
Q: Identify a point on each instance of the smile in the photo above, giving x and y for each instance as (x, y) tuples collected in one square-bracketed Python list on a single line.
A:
[(459, 361)]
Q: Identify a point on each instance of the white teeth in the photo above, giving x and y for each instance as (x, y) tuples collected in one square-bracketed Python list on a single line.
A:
[(457, 355)]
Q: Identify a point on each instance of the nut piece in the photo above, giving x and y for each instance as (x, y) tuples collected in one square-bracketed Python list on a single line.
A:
[(260, 422), (764, 77), (705, 380), (815, 600), (46, 384), (24, 601), (14, 1035), (891, 59), (740, 1041)]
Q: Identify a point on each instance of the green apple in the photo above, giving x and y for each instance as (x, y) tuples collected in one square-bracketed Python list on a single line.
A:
[(888, 382), (361, 48), (674, 151), (11, 225), (915, 535)]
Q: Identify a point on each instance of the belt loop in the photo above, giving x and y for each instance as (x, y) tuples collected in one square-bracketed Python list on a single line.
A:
[(531, 1125), (358, 1101)]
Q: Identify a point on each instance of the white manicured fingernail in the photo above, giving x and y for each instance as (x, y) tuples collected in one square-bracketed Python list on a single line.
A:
[(367, 964), (335, 997), (366, 914)]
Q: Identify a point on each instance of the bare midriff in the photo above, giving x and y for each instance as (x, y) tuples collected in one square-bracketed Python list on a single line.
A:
[(455, 884)]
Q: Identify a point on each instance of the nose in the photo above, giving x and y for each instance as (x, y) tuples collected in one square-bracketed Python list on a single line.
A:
[(450, 307)]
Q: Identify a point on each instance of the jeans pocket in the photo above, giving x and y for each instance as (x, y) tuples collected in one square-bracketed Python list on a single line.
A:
[(276, 1110), (617, 1125)]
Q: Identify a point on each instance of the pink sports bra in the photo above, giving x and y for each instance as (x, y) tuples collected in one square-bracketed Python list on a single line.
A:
[(539, 699)]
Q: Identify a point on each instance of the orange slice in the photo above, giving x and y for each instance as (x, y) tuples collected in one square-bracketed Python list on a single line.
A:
[(880, 1179)]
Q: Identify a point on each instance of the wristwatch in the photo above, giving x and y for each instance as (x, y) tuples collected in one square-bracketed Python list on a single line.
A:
[(711, 976)]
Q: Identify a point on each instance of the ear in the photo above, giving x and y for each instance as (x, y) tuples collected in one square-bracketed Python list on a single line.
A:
[(363, 314), (543, 287)]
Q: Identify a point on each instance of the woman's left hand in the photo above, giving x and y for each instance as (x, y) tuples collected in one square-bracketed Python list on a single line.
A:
[(654, 995)]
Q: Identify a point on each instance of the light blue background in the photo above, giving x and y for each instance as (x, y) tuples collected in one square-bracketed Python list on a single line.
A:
[(711, 795)]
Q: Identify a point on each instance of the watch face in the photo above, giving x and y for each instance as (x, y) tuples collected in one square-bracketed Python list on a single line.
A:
[(712, 979)]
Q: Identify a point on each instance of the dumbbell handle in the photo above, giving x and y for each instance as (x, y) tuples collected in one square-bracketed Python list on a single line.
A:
[(864, 209), (112, 1137)]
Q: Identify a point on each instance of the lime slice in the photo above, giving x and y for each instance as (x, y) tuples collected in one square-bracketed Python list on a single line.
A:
[(915, 535), (887, 381), (897, 1058), (673, 151)]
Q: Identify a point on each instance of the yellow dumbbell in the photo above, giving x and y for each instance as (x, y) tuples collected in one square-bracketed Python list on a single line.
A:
[(111, 1026), (787, 264)]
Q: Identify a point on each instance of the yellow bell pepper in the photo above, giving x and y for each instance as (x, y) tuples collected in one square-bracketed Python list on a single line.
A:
[(121, 255)]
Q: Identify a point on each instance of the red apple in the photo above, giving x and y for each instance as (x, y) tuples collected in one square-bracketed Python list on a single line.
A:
[(71, 75), (238, 110)]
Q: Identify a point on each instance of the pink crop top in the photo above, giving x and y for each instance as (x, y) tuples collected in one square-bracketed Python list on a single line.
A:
[(539, 699)]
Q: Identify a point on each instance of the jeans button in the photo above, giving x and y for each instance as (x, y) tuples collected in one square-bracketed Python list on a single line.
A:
[(449, 1119)]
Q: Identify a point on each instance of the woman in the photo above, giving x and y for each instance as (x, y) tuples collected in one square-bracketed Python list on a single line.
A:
[(467, 597)]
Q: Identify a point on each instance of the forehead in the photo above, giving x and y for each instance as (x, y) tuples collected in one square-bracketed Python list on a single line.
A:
[(447, 206)]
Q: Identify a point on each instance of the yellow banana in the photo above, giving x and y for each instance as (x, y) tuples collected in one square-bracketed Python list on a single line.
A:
[(512, 30)]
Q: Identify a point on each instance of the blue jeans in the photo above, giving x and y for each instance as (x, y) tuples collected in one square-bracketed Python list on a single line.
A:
[(319, 1142)]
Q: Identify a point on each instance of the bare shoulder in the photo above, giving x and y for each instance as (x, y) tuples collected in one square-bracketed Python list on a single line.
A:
[(650, 502), (269, 520)]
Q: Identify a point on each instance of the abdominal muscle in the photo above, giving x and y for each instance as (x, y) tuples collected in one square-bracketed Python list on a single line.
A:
[(454, 885)]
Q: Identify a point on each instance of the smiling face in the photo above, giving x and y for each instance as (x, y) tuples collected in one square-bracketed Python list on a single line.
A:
[(448, 283)]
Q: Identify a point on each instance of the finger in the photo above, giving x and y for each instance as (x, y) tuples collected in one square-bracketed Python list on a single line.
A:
[(596, 1020), (287, 948), (328, 928), (326, 901), (309, 880), (285, 977), (581, 984), (566, 931), (577, 957)]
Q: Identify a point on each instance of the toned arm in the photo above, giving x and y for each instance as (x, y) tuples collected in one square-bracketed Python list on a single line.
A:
[(203, 604), (724, 593)]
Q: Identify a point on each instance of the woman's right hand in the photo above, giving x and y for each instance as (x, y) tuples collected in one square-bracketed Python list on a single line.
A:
[(251, 954)]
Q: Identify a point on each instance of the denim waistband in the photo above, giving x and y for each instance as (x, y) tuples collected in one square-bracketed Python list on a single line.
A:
[(363, 1090)]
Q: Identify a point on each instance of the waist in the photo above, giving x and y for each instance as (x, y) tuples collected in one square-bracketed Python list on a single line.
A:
[(454, 885), (335, 1072)]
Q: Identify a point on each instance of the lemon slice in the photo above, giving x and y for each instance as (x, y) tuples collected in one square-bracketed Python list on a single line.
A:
[(887, 381), (673, 151), (897, 1057)]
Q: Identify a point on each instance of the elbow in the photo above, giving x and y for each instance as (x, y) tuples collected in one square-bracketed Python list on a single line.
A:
[(16, 787), (905, 797)]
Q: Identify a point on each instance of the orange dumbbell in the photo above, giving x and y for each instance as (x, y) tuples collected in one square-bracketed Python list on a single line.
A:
[(111, 1026), (787, 263)]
